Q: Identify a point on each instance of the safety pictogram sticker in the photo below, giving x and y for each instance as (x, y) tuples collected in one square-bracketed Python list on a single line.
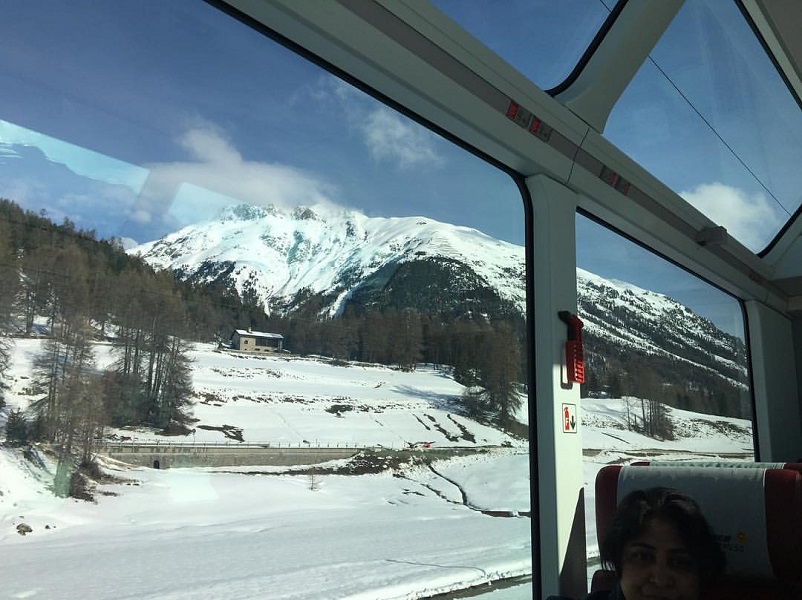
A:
[(569, 418)]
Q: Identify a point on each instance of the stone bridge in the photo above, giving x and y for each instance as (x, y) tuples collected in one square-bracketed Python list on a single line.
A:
[(168, 455), (172, 455)]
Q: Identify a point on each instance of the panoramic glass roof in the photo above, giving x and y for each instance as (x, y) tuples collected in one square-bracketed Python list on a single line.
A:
[(542, 39), (709, 115)]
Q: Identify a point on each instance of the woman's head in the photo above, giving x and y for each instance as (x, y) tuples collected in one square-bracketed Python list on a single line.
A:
[(661, 546)]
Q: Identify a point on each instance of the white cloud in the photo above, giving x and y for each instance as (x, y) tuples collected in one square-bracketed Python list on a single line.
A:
[(140, 216), (391, 137), (208, 145), (387, 135), (751, 219), (221, 169)]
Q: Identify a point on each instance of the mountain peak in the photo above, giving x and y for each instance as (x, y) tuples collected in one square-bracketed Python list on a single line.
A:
[(246, 212), (304, 213), (272, 254)]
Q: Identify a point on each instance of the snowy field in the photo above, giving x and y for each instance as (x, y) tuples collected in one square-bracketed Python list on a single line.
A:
[(267, 532)]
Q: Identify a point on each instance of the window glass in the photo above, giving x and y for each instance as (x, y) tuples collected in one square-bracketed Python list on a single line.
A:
[(709, 115), (666, 368), (543, 40), (332, 400)]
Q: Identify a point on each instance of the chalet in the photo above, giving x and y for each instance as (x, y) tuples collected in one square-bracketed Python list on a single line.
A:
[(256, 341)]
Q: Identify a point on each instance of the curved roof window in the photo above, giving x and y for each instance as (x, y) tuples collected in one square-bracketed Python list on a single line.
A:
[(709, 115), (542, 39)]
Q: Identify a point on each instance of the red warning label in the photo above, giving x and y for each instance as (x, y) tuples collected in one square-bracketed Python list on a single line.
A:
[(569, 418)]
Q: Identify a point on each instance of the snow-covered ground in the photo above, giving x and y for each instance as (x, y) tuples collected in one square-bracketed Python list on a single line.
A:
[(264, 532)]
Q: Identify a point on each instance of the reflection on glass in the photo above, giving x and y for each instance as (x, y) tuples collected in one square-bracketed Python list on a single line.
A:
[(329, 403), (709, 115)]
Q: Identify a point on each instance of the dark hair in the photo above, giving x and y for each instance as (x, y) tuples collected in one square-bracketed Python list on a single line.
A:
[(672, 506)]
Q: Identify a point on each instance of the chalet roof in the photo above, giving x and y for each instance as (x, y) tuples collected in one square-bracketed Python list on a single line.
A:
[(259, 334)]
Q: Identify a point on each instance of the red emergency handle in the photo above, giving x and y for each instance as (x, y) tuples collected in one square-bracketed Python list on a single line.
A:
[(574, 355)]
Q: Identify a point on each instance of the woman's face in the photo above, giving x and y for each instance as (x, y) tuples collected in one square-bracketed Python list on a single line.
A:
[(657, 565)]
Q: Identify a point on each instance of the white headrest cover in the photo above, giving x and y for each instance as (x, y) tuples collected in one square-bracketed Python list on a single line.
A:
[(731, 499)]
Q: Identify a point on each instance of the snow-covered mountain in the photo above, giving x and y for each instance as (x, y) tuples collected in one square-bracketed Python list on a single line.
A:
[(271, 256), (279, 258), (654, 324)]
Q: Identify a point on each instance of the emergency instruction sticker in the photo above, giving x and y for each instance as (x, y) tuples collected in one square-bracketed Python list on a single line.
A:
[(569, 418)]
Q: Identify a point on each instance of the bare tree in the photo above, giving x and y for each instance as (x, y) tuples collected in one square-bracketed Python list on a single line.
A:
[(9, 290), (150, 382), (71, 409)]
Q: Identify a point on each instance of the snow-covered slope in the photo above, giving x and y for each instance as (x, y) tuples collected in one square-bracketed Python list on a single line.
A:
[(650, 323), (255, 532)]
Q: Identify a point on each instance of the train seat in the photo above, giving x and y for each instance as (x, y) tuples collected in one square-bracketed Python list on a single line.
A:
[(755, 514)]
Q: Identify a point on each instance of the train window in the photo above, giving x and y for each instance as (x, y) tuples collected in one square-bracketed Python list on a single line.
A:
[(709, 115), (303, 308), (666, 368), (543, 40)]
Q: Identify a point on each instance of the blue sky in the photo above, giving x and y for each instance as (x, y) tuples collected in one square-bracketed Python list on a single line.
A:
[(207, 103), (145, 116)]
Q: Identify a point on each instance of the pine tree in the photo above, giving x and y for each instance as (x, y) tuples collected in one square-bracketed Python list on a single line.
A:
[(465, 343), (17, 432), (406, 339), (373, 337)]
